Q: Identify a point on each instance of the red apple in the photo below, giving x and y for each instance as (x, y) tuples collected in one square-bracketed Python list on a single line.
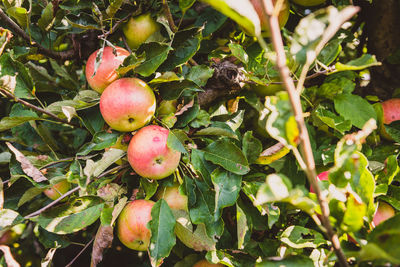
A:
[(127, 104), (106, 71), (322, 177), (132, 228), (282, 16), (149, 155), (309, 2), (57, 190), (205, 263), (171, 195), (384, 212), (138, 29), (391, 113)]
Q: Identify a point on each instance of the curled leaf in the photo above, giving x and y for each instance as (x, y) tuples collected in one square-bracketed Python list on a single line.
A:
[(103, 240)]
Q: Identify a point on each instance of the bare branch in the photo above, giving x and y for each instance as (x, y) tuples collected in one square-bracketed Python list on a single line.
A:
[(268, 10), (9, 95), (168, 14), (70, 54), (80, 252)]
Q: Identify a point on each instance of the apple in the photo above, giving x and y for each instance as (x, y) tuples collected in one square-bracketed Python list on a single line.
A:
[(57, 190), (149, 154), (322, 177), (205, 263), (173, 197), (267, 90), (127, 104), (106, 72), (282, 16), (391, 113), (132, 228), (138, 29), (384, 212), (309, 2), (166, 107), (9, 236)]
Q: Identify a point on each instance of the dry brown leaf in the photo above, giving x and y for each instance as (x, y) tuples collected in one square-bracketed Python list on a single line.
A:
[(103, 240), (185, 107), (11, 262), (27, 166)]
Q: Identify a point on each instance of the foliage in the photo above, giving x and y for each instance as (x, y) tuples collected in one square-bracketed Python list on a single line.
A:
[(248, 198)]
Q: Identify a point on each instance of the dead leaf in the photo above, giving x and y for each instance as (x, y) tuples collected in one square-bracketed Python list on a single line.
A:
[(27, 166), (11, 262), (103, 240), (185, 107)]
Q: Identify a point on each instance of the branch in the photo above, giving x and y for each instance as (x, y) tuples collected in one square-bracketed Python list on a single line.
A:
[(80, 252), (70, 54), (38, 109), (114, 28), (168, 14), (268, 10)]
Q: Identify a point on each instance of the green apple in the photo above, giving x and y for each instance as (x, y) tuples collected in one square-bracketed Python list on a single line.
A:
[(132, 228), (309, 2), (282, 16), (173, 197), (149, 154), (127, 104), (138, 29), (57, 190), (106, 72)]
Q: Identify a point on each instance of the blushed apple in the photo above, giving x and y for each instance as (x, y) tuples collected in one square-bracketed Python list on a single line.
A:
[(282, 16), (106, 72), (132, 228), (57, 190), (322, 177), (205, 263), (384, 212), (173, 197), (138, 29), (149, 154), (127, 104), (309, 2)]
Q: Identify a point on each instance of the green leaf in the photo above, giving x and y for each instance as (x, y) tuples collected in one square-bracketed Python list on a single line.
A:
[(332, 120), (29, 195), (241, 11), (238, 51), (393, 130), (9, 218), (217, 129), (100, 141), (20, 14), (185, 4), (252, 147), (200, 74), (72, 216), (227, 155), (330, 52), (363, 62), (353, 217), (131, 62), (242, 227), (354, 108), (51, 240), (173, 90), (296, 236), (162, 232), (176, 139), (227, 187), (7, 123), (156, 54), (149, 187), (202, 166), (47, 18), (15, 77), (291, 261), (113, 7)]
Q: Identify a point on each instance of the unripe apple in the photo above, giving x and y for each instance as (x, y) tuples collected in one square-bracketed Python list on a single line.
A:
[(322, 177), (205, 263), (132, 228), (138, 29), (106, 72), (11, 235), (127, 104), (282, 16), (149, 154), (57, 190), (166, 107), (173, 197), (309, 2), (384, 212)]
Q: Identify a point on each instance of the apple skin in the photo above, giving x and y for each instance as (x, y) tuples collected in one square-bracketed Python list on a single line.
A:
[(205, 263), (127, 104), (57, 190), (138, 29), (309, 2), (149, 155), (106, 72), (322, 177), (282, 17), (171, 195), (8, 237), (132, 228), (384, 212)]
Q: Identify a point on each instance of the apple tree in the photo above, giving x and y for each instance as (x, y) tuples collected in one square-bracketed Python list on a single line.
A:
[(199, 133)]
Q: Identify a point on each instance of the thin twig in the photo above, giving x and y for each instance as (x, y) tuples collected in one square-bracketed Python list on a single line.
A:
[(80, 252), (70, 54), (268, 10), (38, 109), (168, 14), (114, 28)]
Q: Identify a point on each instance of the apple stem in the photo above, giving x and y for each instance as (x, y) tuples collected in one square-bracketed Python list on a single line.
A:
[(294, 96)]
